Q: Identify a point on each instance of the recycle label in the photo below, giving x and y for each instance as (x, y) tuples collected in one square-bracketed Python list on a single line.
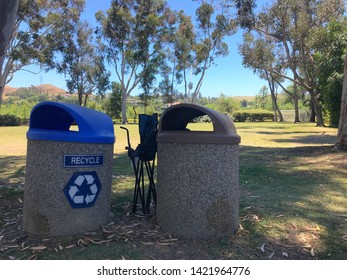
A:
[(83, 189)]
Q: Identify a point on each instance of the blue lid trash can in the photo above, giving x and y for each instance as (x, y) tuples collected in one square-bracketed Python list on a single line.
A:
[(68, 171)]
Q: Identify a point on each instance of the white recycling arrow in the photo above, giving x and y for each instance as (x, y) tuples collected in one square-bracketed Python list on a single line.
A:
[(72, 191), (79, 180), (90, 179), (93, 189), (85, 181), (90, 198), (78, 199)]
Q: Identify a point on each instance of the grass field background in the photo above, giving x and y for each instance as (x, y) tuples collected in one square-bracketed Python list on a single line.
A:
[(293, 202)]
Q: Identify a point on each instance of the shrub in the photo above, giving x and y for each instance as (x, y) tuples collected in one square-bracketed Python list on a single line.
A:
[(24, 121), (253, 116), (202, 119), (9, 120)]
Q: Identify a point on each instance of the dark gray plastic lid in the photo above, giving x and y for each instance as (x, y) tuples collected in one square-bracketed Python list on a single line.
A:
[(174, 121)]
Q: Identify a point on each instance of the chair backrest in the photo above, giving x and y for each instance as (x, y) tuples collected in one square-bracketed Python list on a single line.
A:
[(148, 129)]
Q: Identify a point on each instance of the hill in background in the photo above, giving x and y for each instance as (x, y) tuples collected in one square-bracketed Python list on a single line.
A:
[(43, 89), (8, 90), (53, 90), (50, 89), (242, 98)]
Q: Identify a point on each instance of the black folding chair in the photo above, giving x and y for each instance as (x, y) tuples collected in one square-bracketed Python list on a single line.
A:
[(143, 161)]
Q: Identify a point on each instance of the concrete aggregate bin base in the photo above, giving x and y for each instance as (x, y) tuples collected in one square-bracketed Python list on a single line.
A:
[(187, 204), (198, 174), (47, 210), (68, 172)]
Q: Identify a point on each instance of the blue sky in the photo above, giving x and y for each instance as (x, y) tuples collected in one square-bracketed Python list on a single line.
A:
[(228, 76)]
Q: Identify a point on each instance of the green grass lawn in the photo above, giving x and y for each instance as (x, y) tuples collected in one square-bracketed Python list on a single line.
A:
[(293, 203)]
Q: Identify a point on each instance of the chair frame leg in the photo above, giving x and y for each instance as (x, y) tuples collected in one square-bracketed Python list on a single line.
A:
[(140, 168), (151, 188)]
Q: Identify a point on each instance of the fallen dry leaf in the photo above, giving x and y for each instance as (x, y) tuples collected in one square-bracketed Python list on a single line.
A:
[(294, 226), (107, 231), (25, 248), (33, 257), (344, 237), (312, 252), (1, 237), (165, 244), (95, 242), (254, 218), (81, 242), (70, 246), (169, 240), (285, 254), (262, 248), (147, 243), (150, 257), (38, 248)]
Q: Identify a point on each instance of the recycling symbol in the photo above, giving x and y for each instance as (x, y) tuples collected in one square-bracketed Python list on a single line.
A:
[(83, 189)]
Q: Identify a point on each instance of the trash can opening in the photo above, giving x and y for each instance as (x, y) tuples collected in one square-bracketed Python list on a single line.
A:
[(51, 117), (179, 118), (173, 126)]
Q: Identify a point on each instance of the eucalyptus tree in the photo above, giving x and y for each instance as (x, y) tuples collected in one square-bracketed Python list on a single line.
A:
[(331, 44), (293, 24), (8, 14), (81, 63), (332, 76), (342, 129), (213, 25), (179, 57), (260, 53), (133, 33), (35, 36)]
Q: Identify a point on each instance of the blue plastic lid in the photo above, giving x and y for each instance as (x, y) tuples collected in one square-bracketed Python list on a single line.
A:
[(52, 121)]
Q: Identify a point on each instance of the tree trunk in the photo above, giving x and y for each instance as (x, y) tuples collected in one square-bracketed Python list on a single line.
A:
[(296, 104), (342, 130), (317, 107), (124, 108), (85, 99), (80, 98), (8, 13), (312, 111), (2, 88), (276, 108), (271, 82), (318, 111), (275, 111)]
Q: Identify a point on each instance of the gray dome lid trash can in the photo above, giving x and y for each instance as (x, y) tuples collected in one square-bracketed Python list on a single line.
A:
[(68, 172), (174, 121), (198, 174)]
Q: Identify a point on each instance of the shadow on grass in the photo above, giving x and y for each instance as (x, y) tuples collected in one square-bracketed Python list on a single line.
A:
[(293, 205), (296, 197), (309, 139), (12, 169)]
